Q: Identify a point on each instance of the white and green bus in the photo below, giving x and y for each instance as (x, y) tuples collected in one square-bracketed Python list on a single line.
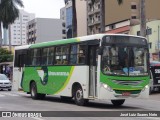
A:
[(102, 66)]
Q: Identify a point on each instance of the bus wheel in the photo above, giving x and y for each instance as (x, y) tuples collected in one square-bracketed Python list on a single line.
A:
[(34, 93), (78, 97), (117, 102)]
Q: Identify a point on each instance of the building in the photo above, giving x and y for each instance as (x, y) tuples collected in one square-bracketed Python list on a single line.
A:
[(129, 10), (153, 34), (121, 27), (66, 15), (17, 31), (45, 29), (94, 17), (81, 10)]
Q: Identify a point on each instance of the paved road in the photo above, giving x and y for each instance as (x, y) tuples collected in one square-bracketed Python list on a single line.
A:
[(20, 101)]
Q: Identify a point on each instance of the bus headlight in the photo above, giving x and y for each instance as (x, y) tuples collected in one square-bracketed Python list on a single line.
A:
[(146, 87), (107, 87)]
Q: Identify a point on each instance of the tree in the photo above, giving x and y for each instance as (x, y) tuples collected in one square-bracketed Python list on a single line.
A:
[(5, 55), (8, 13), (74, 18)]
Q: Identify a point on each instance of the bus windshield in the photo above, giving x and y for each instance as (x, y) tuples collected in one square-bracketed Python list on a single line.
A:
[(124, 60)]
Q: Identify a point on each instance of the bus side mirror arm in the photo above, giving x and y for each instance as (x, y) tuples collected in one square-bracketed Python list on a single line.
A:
[(100, 51)]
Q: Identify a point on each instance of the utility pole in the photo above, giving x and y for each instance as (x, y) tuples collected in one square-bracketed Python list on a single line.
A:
[(142, 18), (158, 44)]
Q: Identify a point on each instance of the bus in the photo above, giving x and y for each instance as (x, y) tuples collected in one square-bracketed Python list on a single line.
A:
[(96, 67)]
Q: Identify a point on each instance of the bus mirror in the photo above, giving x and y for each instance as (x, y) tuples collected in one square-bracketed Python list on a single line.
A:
[(100, 51)]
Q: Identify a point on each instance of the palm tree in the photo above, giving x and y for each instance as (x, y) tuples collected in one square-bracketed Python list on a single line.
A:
[(8, 13), (74, 18)]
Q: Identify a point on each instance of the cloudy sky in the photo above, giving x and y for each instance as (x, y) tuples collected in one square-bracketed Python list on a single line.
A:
[(44, 8)]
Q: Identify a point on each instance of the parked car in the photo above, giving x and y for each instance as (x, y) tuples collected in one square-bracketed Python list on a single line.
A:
[(154, 76), (5, 83)]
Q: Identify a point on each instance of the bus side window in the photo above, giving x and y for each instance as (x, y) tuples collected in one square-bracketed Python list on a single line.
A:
[(44, 56), (58, 57), (50, 56), (64, 55), (81, 54), (35, 57), (73, 54)]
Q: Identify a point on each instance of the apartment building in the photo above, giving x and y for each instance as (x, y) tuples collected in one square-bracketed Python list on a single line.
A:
[(81, 10), (17, 31), (130, 9), (152, 34), (94, 17), (45, 29)]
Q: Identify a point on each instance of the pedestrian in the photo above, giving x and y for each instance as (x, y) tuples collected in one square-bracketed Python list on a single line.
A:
[(8, 70)]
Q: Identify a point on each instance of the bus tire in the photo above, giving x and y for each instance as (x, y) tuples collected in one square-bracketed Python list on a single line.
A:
[(78, 97), (117, 102), (34, 93)]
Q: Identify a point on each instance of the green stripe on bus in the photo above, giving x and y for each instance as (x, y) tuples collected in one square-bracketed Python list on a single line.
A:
[(56, 42), (66, 82)]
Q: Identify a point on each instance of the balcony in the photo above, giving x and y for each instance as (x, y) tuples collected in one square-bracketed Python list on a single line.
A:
[(93, 11)]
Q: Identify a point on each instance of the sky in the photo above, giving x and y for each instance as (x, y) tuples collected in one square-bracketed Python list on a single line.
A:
[(44, 8)]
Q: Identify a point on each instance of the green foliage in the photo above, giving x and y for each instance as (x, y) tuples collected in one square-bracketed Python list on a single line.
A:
[(9, 11), (5, 55)]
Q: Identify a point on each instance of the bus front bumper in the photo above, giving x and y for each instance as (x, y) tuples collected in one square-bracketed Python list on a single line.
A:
[(108, 93)]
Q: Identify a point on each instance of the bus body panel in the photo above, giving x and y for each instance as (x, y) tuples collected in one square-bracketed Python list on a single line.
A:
[(133, 86), (56, 80), (111, 95), (17, 76)]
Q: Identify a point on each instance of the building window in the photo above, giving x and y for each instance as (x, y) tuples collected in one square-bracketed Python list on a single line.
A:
[(138, 33), (148, 31), (63, 31), (63, 24), (133, 7), (112, 26), (133, 17)]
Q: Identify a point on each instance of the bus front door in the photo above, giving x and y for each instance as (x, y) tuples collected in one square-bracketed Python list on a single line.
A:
[(93, 70)]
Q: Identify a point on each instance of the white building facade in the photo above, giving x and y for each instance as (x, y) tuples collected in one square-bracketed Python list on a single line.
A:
[(17, 31), (45, 29)]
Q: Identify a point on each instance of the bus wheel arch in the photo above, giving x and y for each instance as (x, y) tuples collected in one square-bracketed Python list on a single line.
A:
[(33, 90), (77, 94)]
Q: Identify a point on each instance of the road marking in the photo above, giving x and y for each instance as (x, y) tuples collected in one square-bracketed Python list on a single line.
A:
[(37, 118), (9, 94), (152, 118), (2, 95), (21, 93)]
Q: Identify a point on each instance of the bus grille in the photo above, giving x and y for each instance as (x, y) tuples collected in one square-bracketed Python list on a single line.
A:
[(124, 82)]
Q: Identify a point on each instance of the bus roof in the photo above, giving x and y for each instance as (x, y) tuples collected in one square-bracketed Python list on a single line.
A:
[(70, 40), (22, 47)]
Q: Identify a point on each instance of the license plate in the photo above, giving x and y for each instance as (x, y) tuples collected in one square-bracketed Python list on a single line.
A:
[(3, 85), (126, 94)]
